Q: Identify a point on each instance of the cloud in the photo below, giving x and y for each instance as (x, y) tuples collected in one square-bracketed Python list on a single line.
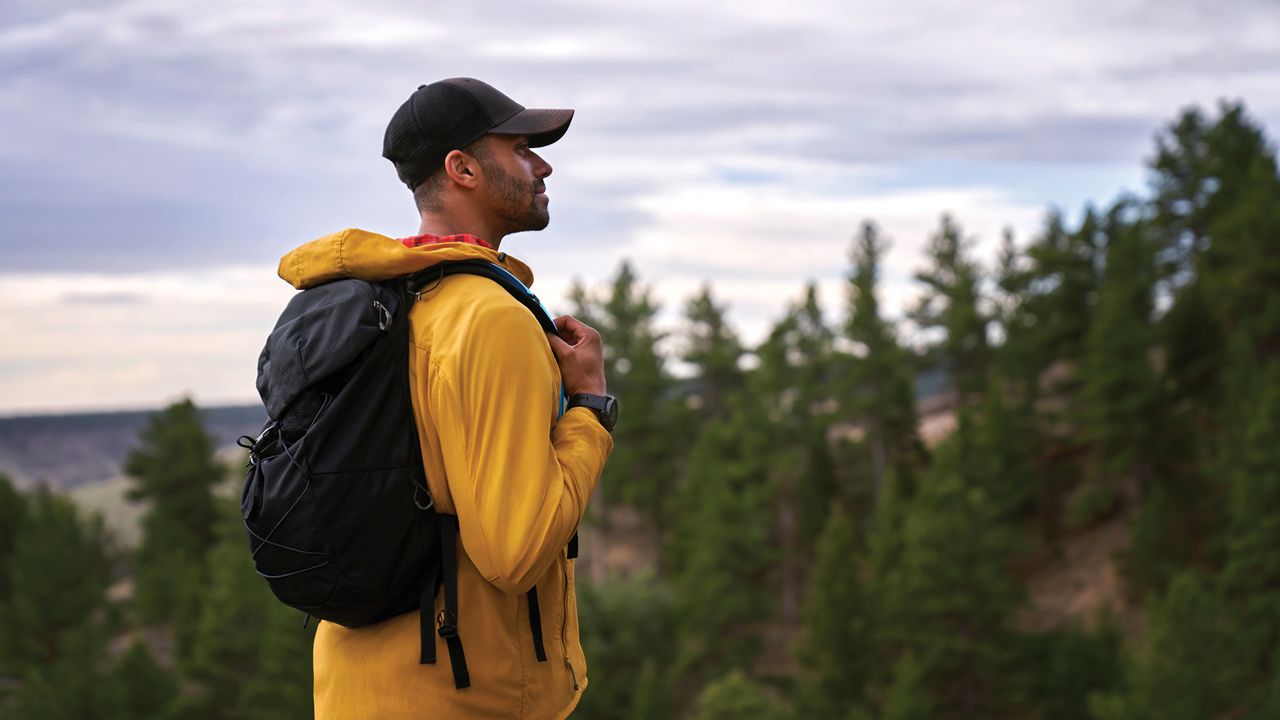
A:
[(740, 143), (103, 298), (133, 339)]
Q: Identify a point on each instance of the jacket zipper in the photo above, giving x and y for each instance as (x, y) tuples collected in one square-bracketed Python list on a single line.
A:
[(564, 621)]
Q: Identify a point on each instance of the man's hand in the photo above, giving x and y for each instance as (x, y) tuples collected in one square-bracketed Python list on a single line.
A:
[(580, 354)]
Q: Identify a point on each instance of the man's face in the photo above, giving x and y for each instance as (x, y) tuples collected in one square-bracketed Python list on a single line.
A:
[(514, 185)]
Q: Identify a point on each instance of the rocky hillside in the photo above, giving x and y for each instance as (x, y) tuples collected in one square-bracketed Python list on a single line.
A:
[(70, 451)]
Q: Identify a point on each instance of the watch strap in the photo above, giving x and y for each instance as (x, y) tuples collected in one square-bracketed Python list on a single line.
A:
[(589, 401), (605, 407)]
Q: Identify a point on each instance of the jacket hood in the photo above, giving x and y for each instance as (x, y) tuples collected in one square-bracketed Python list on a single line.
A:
[(369, 256)]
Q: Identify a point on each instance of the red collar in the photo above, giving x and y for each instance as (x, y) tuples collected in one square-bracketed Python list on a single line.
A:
[(429, 239)]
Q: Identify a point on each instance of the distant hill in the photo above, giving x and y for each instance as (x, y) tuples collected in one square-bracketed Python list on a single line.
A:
[(70, 451)]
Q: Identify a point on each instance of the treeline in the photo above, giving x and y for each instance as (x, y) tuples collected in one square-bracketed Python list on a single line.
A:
[(813, 556), (181, 627), (817, 560)]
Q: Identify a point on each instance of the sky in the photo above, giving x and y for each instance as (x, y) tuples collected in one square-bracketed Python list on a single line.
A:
[(158, 157)]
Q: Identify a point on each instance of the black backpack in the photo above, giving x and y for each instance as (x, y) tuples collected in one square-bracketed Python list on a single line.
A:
[(340, 521)]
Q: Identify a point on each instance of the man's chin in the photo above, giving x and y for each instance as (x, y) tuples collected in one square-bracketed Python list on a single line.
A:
[(533, 223)]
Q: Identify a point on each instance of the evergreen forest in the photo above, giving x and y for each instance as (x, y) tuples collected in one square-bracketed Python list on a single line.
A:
[(1057, 498)]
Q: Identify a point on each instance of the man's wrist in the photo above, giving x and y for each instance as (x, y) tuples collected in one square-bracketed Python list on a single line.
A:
[(604, 407)]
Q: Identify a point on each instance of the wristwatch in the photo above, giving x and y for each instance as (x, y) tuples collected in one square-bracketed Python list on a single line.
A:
[(605, 407)]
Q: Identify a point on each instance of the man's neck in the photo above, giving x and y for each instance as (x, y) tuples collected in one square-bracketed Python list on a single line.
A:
[(442, 225)]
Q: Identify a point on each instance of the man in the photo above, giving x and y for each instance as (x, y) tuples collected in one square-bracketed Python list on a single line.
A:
[(486, 386)]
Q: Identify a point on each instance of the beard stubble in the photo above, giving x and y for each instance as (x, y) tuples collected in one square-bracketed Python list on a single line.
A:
[(516, 202)]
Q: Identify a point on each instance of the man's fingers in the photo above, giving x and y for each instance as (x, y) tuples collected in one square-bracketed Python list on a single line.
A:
[(558, 346), (577, 349), (568, 326), (571, 328)]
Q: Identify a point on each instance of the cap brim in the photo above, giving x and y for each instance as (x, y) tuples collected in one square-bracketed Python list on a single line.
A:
[(543, 126)]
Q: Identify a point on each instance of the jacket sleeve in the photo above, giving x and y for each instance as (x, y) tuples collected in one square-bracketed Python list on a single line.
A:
[(519, 480)]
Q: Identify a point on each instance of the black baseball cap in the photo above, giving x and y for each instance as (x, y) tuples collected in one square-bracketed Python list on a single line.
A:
[(451, 114)]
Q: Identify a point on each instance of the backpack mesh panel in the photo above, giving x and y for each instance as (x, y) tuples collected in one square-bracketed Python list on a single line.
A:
[(289, 540)]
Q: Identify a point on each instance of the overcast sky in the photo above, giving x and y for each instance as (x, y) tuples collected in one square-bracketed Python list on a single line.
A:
[(157, 157)]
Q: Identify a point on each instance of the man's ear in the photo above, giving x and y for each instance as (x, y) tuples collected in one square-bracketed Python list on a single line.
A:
[(461, 168)]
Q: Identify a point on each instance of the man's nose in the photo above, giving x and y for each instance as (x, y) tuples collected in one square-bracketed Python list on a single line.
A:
[(542, 169)]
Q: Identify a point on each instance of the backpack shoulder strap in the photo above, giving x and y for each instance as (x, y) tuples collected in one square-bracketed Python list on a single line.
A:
[(414, 284), (484, 268)]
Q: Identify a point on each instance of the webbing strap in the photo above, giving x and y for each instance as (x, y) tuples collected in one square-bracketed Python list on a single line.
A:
[(535, 625), (447, 623), (426, 623)]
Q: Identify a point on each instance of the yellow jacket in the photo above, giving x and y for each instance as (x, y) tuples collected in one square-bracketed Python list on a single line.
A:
[(485, 390)]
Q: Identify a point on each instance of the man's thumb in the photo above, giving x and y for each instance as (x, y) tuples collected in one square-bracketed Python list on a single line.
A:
[(558, 346)]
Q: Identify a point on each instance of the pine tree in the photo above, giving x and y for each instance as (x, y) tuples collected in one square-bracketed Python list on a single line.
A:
[(1121, 387), (1268, 705), (792, 389), (1241, 267), (1133, 451), (713, 349), (139, 688), (837, 650), (724, 547), (52, 628), (642, 469), (280, 686), (1182, 182), (1201, 169), (735, 697), (621, 618), (71, 684), (1217, 205), (13, 511), (950, 304), (1217, 210), (1250, 581), (236, 626), (885, 533), (1052, 290), (908, 697), (1212, 647), (1069, 665), (1013, 357), (58, 574), (1194, 342), (880, 392), (948, 599), (1003, 461), (173, 470), (1185, 671)]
